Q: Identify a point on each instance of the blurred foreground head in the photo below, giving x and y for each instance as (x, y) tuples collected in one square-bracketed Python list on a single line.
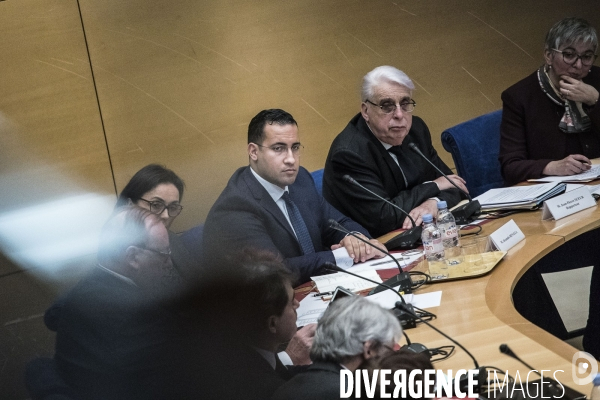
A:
[(135, 244), (354, 329)]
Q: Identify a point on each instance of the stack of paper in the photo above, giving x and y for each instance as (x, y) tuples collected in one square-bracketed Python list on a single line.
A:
[(587, 176), (519, 197)]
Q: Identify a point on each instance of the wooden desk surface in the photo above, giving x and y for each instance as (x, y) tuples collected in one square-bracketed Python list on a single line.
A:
[(479, 312)]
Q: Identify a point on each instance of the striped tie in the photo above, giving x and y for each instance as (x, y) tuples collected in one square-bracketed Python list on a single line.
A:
[(299, 226)]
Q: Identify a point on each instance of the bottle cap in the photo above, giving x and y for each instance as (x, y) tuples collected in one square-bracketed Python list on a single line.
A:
[(596, 380), (427, 218), (442, 204)]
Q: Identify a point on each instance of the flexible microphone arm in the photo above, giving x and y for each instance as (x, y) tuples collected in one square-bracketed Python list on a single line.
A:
[(414, 148), (402, 307), (332, 267), (349, 179), (407, 319), (333, 224), (504, 349)]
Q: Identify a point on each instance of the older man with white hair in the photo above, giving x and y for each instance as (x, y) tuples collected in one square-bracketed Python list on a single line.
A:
[(351, 331), (374, 150)]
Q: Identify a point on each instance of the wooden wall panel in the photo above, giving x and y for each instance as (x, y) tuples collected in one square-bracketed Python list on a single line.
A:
[(50, 126), (179, 81)]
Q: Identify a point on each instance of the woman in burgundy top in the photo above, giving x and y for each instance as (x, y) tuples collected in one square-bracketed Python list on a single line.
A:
[(551, 120)]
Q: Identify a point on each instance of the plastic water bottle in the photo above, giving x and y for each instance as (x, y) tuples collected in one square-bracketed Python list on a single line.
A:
[(450, 237), (434, 248), (595, 395)]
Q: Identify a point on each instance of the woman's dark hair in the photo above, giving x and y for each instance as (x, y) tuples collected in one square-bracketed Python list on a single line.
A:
[(147, 179)]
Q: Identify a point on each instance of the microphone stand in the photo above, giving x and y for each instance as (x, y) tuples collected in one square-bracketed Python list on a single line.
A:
[(407, 320), (554, 386), (402, 279), (405, 240), (481, 374), (465, 213)]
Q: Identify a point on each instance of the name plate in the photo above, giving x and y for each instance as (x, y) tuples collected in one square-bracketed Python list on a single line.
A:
[(507, 236), (567, 204)]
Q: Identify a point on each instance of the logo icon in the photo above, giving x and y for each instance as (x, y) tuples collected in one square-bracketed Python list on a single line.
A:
[(584, 368)]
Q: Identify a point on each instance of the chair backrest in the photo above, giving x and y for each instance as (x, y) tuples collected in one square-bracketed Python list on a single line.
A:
[(192, 240), (43, 381), (474, 146), (318, 178)]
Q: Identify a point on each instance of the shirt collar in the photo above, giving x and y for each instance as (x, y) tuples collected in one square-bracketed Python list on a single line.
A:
[(267, 355), (274, 191)]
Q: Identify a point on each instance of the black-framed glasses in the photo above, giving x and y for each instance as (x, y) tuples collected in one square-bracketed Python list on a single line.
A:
[(570, 57), (157, 207), (164, 254), (389, 107), (281, 149)]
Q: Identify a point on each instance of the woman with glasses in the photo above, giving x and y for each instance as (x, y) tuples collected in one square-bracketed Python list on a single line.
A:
[(551, 119), (160, 190)]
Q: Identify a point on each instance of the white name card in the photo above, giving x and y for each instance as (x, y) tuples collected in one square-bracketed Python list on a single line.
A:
[(507, 236), (568, 203)]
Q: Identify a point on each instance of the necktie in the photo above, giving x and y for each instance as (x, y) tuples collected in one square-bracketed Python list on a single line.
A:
[(299, 226)]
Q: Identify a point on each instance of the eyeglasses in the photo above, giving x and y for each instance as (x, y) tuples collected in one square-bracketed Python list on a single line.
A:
[(570, 57), (157, 207), (280, 149), (163, 254), (389, 107)]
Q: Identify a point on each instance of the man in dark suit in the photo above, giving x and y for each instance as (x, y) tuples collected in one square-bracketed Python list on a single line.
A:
[(351, 331), (241, 325), (113, 333), (273, 205), (373, 149)]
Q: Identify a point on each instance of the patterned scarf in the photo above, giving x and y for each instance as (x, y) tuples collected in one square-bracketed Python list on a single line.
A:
[(574, 120)]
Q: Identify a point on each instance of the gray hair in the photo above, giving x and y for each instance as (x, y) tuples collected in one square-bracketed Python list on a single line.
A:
[(126, 227), (569, 31), (347, 324), (383, 74)]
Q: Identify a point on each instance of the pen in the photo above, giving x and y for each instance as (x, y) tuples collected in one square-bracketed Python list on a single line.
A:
[(322, 294), (386, 262)]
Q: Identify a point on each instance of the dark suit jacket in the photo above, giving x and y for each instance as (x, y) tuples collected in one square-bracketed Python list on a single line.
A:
[(246, 215), (357, 152), (529, 134), (320, 381), (111, 342)]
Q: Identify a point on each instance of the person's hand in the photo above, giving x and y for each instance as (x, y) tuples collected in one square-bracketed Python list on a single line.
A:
[(426, 207), (575, 90), (443, 183), (360, 251), (570, 165), (299, 347)]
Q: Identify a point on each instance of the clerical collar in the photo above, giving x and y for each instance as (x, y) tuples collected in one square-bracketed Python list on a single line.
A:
[(274, 191)]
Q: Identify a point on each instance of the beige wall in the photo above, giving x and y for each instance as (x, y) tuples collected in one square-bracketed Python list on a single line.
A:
[(178, 81)]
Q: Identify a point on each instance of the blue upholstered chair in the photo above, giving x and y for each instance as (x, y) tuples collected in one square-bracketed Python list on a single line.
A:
[(474, 146), (318, 178), (192, 240)]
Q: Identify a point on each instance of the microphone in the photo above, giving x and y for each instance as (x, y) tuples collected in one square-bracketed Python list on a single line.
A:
[(407, 239), (481, 374), (554, 386), (402, 279), (465, 213), (407, 320), (504, 349)]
